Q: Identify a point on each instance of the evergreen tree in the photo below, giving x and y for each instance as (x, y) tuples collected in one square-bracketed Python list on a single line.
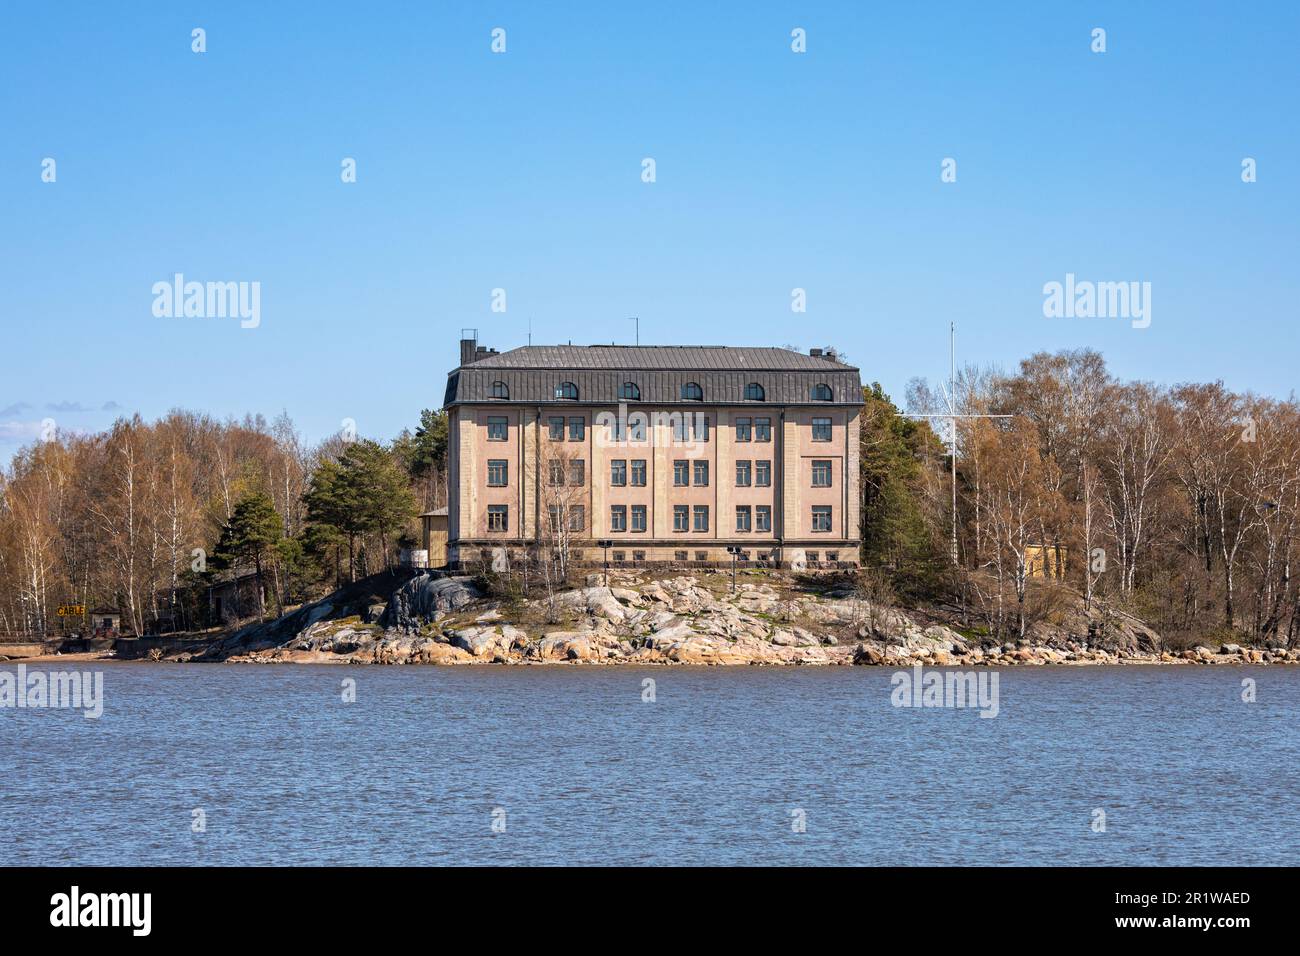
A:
[(250, 537), (895, 533)]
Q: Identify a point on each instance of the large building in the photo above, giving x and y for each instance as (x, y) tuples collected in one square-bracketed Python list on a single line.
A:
[(671, 453)]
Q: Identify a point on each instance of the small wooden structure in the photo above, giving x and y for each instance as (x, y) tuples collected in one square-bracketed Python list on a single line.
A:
[(434, 525)]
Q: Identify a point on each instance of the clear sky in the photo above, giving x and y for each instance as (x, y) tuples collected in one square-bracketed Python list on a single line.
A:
[(523, 171)]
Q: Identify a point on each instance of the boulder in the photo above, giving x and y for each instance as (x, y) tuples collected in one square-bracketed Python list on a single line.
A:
[(425, 596)]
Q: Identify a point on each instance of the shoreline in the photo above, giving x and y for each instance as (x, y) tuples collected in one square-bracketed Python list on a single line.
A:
[(851, 657)]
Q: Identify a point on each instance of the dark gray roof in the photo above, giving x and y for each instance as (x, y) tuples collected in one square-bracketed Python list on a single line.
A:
[(658, 357), (532, 373)]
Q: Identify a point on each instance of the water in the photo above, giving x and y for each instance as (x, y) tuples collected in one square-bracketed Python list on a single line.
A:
[(586, 773)]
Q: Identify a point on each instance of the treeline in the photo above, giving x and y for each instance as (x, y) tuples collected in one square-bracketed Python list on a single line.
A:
[(143, 518), (1177, 504)]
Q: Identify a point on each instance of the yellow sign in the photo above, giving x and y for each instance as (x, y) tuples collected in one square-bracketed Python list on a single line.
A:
[(72, 610)]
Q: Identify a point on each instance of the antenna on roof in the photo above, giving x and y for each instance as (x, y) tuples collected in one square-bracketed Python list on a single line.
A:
[(637, 320), (530, 330)]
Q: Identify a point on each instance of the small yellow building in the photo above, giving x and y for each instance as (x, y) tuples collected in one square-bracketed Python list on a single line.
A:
[(434, 524), (1041, 561)]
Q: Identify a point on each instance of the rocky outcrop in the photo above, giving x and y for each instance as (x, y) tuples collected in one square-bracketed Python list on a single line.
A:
[(684, 619), (427, 598)]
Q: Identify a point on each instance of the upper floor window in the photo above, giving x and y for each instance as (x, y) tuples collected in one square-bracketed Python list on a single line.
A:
[(618, 471), (821, 474), (498, 518), (821, 519), (821, 428), (497, 428), (630, 390), (691, 392), (743, 429), (762, 429), (556, 426), (577, 429), (822, 393), (498, 472), (754, 392), (566, 390), (500, 390)]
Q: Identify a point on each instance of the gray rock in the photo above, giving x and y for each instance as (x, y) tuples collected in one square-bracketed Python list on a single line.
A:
[(420, 599)]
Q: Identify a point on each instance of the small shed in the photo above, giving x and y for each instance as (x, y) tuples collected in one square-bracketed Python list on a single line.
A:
[(434, 524), (105, 620)]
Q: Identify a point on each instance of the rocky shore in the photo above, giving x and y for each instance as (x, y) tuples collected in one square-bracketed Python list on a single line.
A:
[(636, 619)]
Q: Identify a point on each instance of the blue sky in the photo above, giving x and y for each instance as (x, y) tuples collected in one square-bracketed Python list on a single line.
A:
[(522, 171)]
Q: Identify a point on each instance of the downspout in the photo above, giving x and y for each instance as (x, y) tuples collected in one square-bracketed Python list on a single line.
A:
[(780, 469)]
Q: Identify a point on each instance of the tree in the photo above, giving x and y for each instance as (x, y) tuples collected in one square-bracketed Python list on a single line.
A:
[(250, 537), (897, 533), (363, 493)]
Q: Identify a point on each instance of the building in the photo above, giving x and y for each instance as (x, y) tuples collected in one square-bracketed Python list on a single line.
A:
[(671, 453), (433, 525)]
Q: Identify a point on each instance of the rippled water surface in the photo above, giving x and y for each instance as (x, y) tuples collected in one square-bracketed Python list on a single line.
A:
[(588, 773)]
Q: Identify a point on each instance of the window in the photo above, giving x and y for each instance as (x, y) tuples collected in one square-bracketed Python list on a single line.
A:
[(681, 474), (500, 390), (577, 517), (821, 518), (821, 474), (636, 426), (638, 472), (743, 429), (577, 429), (742, 474), (700, 427), (498, 472), (691, 392), (566, 390), (743, 513), (620, 557), (813, 557), (618, 517), (498, 517), (701, 517), (638, 517), (701, 555), (497, 428), (556, 425), (630, 391), (762, 429), (681, 518), (557, 474), (681, 555), (754, 392), (638, 556), (553, 521), (822, 393), (763, 518), (763, 474), (701, 473), (618, 471), (832, 556), (577, 472), (821, 429)]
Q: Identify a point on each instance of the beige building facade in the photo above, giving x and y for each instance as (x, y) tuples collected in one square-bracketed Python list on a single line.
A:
[(670, 454)]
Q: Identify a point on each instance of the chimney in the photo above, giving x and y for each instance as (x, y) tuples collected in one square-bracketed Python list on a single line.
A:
[(468, 346), (815, 352)]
